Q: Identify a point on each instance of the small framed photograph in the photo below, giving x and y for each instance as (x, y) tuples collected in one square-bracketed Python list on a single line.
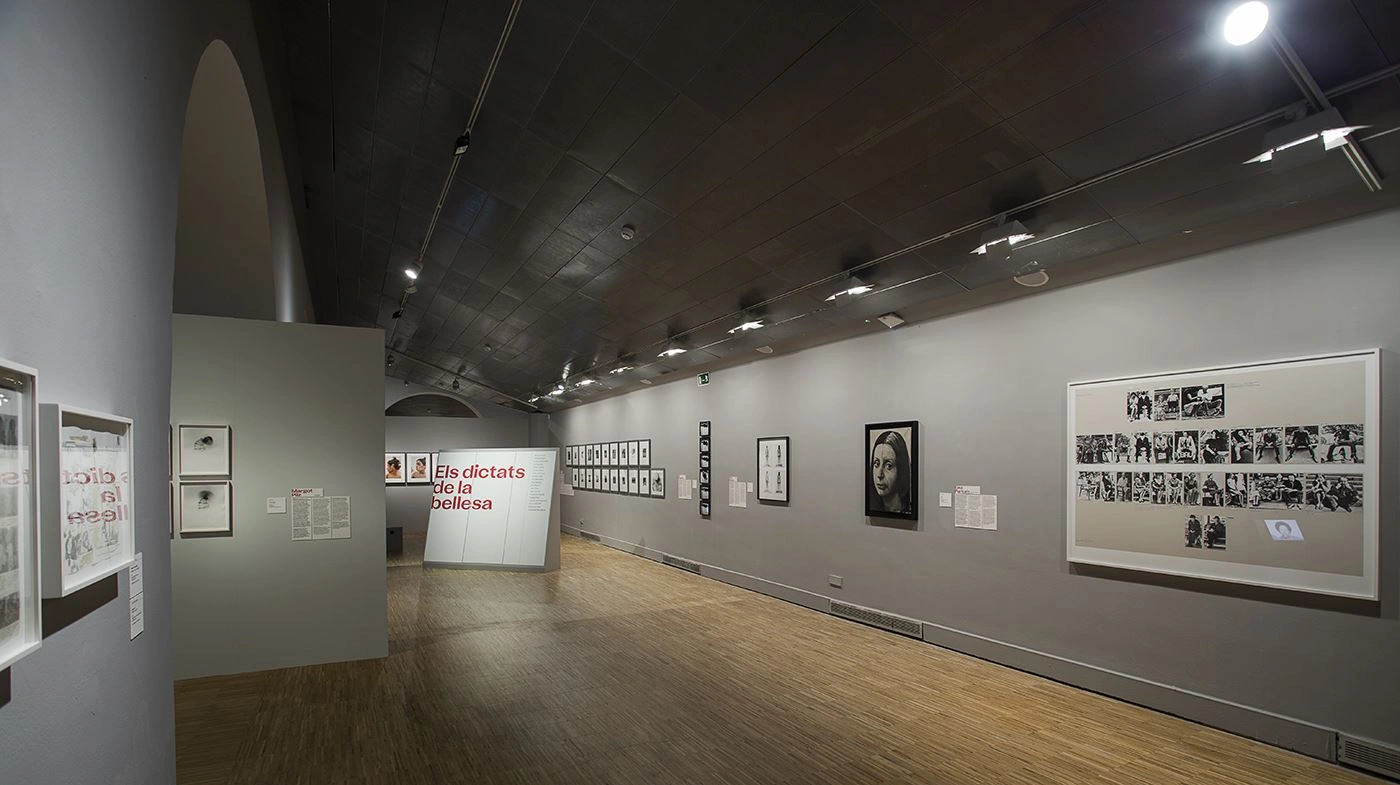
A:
[(634, 453), (206, 451), (634, 482), (774, 452), (646, 483), (658, 483), (704, 427), (705, 509), (419, 466), (615, 455), (617, 481), (206, 508), (644, 453), (394, 472), (892, 470)]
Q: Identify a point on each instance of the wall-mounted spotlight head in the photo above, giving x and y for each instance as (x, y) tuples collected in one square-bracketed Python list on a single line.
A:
[(412, 273), (853, 287), (1007, 234), (463, 142), (1245, 22)]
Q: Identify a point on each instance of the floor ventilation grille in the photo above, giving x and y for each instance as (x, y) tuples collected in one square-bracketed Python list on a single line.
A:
[(1369, 755), (681, 564), (885, 621), (590, 536)]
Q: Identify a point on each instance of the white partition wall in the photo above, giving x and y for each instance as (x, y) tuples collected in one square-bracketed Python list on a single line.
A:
[(494, 509)]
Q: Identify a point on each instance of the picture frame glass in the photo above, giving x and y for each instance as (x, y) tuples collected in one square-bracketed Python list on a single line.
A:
[(395, 468), (206, 508), (418, 466), (774, 477), (891, 470), (205, 451), (96, 526), (658, 483)]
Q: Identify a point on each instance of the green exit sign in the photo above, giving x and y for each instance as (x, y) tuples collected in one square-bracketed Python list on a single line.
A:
[(702, 379)]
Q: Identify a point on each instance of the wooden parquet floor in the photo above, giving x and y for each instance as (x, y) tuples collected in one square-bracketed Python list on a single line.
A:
[(621, 671)]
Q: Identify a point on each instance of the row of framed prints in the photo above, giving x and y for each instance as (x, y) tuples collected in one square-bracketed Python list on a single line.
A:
[(409, 468), (624, 455), (649, 483)]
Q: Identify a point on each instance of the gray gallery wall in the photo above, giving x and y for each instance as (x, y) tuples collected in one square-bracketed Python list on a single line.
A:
[(93, 98), (408, 504), (304, 405), (988, 387)]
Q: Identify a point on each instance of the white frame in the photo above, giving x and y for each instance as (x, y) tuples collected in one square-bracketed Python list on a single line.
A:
[(644, 456), (57, 581), (633, 454), (408, 472), (226, 465), (1365, 586), (29, 550), (402, 479), (227, 525)]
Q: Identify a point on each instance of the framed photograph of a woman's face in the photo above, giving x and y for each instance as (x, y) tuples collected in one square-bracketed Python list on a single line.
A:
[(418, 467), (395, 472), (205, 451), (773, 479), (892, 470), (206, 508)]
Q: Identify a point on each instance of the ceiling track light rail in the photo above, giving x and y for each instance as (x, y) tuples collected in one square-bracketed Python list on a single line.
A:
[(1264, 118)]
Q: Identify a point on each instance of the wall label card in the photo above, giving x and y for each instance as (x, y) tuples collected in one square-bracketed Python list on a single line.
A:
[(297, 493), (277, 505), (321, 518), (1265, 473), (136, 594)]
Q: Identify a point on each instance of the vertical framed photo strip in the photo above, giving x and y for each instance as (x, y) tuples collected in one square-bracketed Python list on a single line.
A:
[(891, 470), (206, 508), (206, 451), (658, 483), (394, 471), (87, 497), (774, 454), (419, 468), (20, 627)]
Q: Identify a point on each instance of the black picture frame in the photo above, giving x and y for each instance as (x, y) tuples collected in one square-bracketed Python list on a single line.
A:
[(900, 499), (773, 469)]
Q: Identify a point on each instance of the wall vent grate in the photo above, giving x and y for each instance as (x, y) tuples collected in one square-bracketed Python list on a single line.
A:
[(1369, 755), (681, 564), (590, 536), (874, 618)]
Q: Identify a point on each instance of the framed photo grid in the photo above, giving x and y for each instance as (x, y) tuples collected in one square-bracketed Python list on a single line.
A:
[(774, 479)]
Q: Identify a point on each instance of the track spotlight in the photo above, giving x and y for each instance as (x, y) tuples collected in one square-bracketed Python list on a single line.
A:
[(1246, 22), (1304, 141), (1008, 232), (620, 369), (456, 385), (671, 351), (587, 382), (749, 324), (463, 142), (389, 361), (412, 273), (853, 287)]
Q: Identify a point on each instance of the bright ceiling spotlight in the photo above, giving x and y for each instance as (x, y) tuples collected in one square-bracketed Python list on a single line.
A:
[(534, 398), (411, 272), (1009, 232), (672, 352), (853, 287), (1305, 141), (1246, 22), (751, 324), (587, 382), (620, 369), (557, 390)]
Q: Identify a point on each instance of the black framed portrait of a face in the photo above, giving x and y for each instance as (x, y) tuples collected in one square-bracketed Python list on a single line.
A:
[(892, 470)]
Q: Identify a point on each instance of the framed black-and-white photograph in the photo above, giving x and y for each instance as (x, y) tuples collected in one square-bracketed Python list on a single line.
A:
[(206, 508), (644, 453), (615, 454), (615, 481), (634, 453), (419, 467), (658, 483), (892, 470), (634, 482), (646, 482), (704, 427), (773, 478), (206, 451), (394, 471), (21, 629)]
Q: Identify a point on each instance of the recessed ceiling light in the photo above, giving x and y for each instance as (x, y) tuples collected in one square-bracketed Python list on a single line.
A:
[(644, 381), (1246, 22), (557, 390), (1031, 275), (671, 351), (411, 272), (587, 382), (764, 349), (620, 369), (752, 324)]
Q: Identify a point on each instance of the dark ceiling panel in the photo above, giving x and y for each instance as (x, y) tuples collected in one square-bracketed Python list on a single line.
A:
[(1331, 39), (678, 130), (598, 210), (991, 30), (469, 33), (769, 41), (921, 19), (993, 195), (626, 24), (537, 45), (724, 153), (529, 165), (1382, 18), (403, 87), (583, 80), (690, 35), (411, 30), (635, 101)]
